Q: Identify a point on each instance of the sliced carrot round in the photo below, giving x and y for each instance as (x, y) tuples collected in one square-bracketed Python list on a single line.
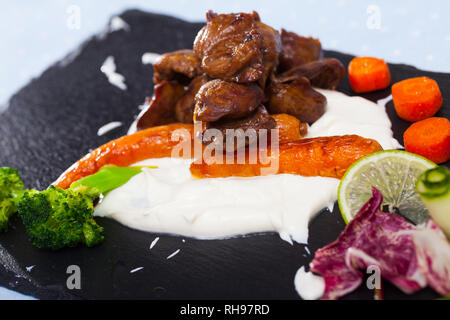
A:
[(368, 74), (416, 99), (429, 138)]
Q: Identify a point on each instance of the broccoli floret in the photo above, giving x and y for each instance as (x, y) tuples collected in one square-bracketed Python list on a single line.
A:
[(11, 190), (57, 218)]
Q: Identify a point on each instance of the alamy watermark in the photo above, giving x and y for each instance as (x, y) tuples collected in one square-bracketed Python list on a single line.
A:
[(73, 21), (235, 146), (374, 280), (373, 21), (74, 279)]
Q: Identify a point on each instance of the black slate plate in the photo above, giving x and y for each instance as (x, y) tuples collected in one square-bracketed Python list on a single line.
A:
[(53, 121)]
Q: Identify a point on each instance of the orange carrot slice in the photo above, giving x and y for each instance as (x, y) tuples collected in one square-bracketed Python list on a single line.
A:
[(429, 138), (368, 74), (417, 98)]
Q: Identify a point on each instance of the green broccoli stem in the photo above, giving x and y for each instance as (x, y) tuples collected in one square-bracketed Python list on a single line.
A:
[(108, 178), (433, 186)]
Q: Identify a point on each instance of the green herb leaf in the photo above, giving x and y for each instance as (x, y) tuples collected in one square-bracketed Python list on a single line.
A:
[(108, 178)]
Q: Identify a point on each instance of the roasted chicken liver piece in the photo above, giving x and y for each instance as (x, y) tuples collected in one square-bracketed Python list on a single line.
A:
[(219, 99), (297, 98), (271, 47), (184, 109), (323, 73), (258, 120), (297, 50), (236, 47), (181, 65), (160, 109)]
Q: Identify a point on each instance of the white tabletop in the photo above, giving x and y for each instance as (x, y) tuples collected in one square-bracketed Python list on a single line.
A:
[(34, 34)]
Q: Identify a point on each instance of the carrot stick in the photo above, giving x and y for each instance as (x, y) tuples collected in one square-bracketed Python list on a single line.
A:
[(323, 156), (368, 74), (429, 138), (290, 128), (417, 98), (154, 142)]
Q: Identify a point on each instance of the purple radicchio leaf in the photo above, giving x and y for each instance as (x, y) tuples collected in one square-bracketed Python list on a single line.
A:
[(433, 255), (371, 238)]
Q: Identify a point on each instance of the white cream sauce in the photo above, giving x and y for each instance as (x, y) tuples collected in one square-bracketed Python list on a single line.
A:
[(136, 269), (150, 58), (117, 23), (308, 285), (109, 69), (169, 200), (29, 268), (108, 127), (354, 115), (133, 127), (154, 242), (173, 254)]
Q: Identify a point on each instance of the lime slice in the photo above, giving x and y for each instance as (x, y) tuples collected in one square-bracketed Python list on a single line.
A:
[(394, 173)]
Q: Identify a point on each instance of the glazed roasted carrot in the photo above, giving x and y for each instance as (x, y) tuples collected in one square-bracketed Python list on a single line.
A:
[(368, 74), (429, 138), (323, 156), (154, 142), (416, 99), (290, 128)]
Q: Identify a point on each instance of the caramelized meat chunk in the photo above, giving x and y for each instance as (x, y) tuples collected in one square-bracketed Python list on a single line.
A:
[(259, 119), (184, 109), (230, 47), (298, 99), (271, 46), (181, 65), (298, 50), (220, 99), (324, 73), (160, 109)]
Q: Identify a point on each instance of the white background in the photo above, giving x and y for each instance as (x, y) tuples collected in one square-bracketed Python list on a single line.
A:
[(36, 33)]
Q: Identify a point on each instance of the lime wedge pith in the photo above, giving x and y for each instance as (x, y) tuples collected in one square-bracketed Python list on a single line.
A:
[(394, 173)]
